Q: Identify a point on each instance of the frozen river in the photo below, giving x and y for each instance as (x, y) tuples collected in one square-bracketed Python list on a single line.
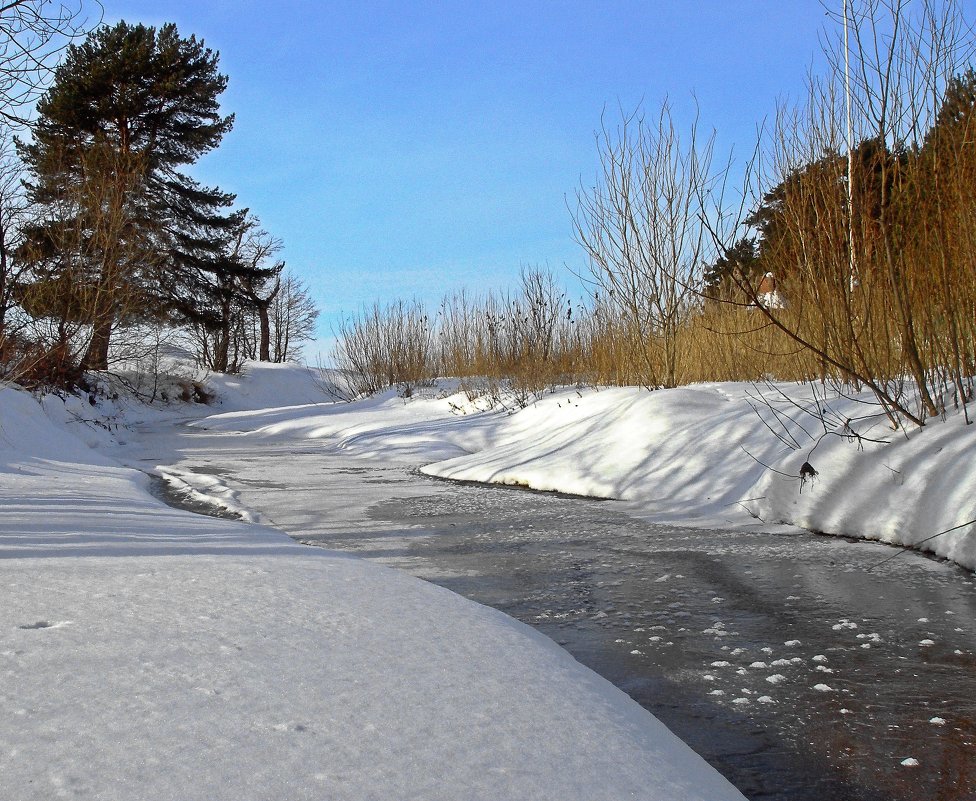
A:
[(793, 663)]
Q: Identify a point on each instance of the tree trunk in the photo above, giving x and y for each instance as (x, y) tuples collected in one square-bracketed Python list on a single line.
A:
[(222, 337), (96, 357), (264, 349)]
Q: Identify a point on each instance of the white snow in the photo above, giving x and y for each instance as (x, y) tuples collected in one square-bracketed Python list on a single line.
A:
[(145, 651), (148, 653), (697, 456)]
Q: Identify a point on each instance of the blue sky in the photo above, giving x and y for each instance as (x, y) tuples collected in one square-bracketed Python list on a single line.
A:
[(405, 149)]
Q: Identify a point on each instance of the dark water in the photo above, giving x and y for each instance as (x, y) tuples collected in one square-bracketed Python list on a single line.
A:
[(793, 663), (675, 617)]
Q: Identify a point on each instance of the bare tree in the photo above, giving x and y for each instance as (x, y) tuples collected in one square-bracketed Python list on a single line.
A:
[(642, 229), (13, 209), (258, 249), (244, 292), (33, 34), (292, 315)]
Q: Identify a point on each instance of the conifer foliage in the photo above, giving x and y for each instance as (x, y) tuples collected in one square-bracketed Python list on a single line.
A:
[(125, 235)]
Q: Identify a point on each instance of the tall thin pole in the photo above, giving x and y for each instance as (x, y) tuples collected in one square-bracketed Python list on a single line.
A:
[(852, 266)]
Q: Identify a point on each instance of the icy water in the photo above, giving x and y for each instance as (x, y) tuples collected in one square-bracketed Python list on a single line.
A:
[(791, 662)]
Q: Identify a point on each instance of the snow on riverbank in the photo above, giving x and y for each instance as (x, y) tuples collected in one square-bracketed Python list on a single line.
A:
[(708, 455), (148, 653)]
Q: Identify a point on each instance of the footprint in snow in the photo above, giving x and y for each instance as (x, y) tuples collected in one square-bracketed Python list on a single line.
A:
[(44, 624)]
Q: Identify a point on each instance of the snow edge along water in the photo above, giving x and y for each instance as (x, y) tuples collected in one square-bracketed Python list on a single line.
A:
[(135, 590)]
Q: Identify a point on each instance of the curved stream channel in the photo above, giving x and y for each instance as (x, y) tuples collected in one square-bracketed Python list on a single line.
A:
[(795, 670)]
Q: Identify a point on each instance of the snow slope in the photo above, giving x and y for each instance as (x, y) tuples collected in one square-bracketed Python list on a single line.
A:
[(148, 653), (707, 455)]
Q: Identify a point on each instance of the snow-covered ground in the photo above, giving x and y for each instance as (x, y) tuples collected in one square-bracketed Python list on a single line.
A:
[(148, 653), (151, 653), (708, 455)]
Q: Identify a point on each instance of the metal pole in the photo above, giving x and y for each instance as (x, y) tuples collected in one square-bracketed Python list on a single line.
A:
[(852, 265)]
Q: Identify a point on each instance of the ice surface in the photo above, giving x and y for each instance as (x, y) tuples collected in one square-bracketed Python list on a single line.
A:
[(149, 653)]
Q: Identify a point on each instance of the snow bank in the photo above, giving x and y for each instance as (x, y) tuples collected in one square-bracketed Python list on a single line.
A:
[(732, 453), (148, 653), (708, 455), (261, 385)]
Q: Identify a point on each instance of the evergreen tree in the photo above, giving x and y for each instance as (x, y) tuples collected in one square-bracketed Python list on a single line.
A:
[(735, 263), (955, 121), (123, 227)]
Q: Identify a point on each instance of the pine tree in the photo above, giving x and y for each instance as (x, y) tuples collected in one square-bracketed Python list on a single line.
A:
[(125, 232)]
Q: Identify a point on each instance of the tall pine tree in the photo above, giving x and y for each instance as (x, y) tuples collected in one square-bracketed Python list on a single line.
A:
[(126, 235)]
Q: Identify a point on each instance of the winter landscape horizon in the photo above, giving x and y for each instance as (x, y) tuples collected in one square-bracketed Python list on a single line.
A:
[(488, 401)]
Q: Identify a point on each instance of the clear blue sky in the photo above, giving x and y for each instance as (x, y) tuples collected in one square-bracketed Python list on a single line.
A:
[(403, 149)]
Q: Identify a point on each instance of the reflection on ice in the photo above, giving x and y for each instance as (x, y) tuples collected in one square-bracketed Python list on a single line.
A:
[(779, 657)]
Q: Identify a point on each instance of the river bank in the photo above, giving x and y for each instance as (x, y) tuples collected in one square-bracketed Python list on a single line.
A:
[(790, 661), (150, 653)]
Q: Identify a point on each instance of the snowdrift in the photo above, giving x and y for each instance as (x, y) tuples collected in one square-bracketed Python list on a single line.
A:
[(149, 653), (708, 455)]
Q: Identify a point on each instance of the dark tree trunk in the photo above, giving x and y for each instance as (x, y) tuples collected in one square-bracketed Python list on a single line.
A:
[(96, 357), (264, 349), (263, 306), (222, 337)]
